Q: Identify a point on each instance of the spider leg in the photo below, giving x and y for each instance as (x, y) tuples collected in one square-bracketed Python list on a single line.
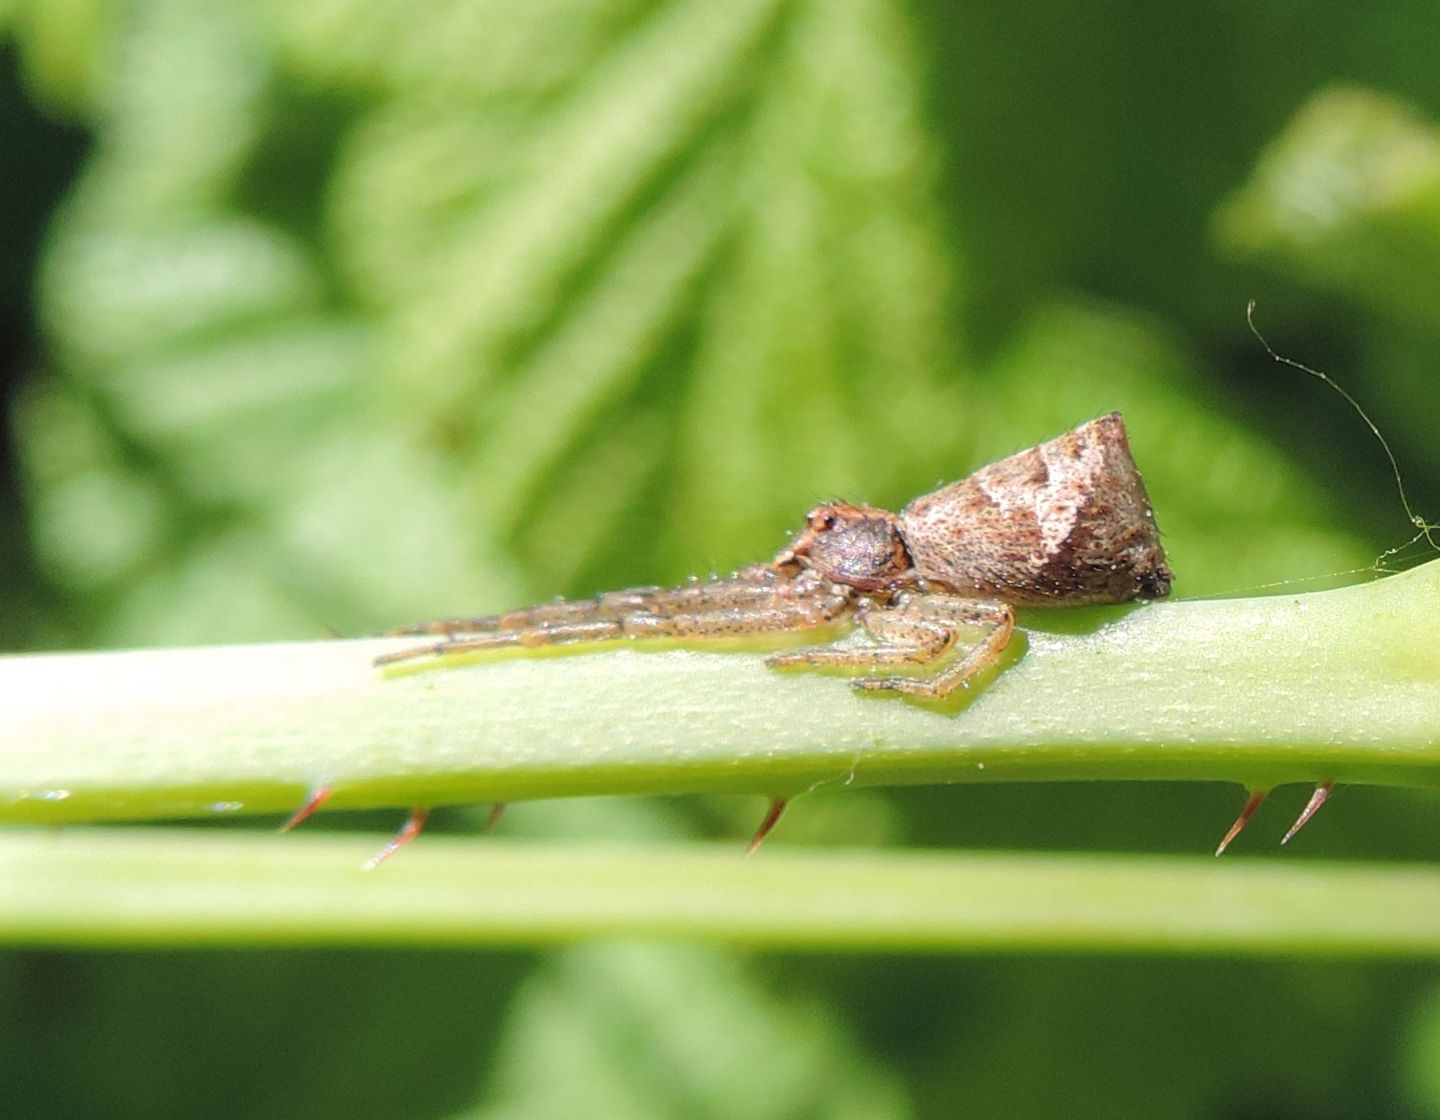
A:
[(550, 634), (752, 584), (917, 630), (947, 614), (912, 643), (756, 601)]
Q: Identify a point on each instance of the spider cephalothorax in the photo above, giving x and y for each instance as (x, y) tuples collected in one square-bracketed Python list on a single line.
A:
[(857, 546)]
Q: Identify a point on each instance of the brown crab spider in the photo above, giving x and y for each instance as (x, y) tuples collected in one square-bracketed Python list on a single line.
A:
[(1061, 524), (1064, 523)]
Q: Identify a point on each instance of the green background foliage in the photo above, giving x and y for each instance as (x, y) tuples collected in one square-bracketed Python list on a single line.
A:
[(346, 313)]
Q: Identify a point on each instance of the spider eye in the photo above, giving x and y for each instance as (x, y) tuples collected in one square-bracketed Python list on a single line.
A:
[(823, 520)]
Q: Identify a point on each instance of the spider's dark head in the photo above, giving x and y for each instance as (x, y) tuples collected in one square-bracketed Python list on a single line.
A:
[(859, 546)]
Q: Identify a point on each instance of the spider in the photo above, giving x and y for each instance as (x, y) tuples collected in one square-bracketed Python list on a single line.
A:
[(1061, 524), (1064, 523)]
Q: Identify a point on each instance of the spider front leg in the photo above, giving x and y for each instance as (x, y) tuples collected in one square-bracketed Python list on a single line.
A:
[(916, 630), (753, 602)]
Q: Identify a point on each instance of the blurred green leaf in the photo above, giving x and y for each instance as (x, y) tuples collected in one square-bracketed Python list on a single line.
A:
[(1349, 197), (492, 339), (647, 1031), (360, 310)]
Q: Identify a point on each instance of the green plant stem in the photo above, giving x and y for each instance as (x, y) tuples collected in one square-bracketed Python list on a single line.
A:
[(165, 887), (1341, 685)]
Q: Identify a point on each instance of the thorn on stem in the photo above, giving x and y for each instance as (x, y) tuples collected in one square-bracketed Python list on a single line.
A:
[(772, 814), (318, 796), (1253, 801), (496, 812), (1322, 791), (408, 831)]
